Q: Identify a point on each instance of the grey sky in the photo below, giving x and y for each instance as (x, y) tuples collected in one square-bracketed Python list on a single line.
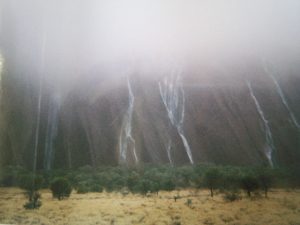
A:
[(79, 35)]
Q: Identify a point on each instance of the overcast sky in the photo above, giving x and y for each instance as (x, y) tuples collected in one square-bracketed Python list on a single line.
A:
[(78, 35)]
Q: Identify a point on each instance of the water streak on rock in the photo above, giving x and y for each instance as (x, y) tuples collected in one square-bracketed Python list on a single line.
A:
[(127, 142), (280, 92), (51, 130), (173, 97), (269, 139)]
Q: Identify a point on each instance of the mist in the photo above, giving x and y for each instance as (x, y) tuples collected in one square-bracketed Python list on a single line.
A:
[(68, 40), (110, 82)]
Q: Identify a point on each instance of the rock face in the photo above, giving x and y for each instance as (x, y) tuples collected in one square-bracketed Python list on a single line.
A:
[(246, 115), (79, 88)]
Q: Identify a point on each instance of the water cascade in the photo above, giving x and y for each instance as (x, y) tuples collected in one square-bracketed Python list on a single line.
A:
[(39, 104), (173, 97), (269, 139), (169, 151), (126, 140), (280, 92), (51, 132)]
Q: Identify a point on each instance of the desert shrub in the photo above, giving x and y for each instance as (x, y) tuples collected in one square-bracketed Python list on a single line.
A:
[(8, 180), (82, 177), (9, 176), (122, 170), (293, 176), (166, 168), (47, 178), (265, 178), (133, 182), (249, 182), (169, 185), (231, 195), (60, 187), (86, 169), (31, 184), (176, 197), (146, 186), (96, 188), (82, 188), (157, 179), (212, 179), (113, 181), (101, 178), (198, 182), (72, 177), (49, 175), (230, 183), (201, 168), (184, 175), (230, 178), (33, 202)]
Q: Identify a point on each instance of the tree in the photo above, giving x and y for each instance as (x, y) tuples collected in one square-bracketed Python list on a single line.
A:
[(10, 175), (82, 188), (185, 175), (230, 183), (169, 185), (96, 188), (133, 182), (31, 184), (265, 178), (249, 183), (112, 181), (146, 186), (157, 179), (212, 179), (60, 187)]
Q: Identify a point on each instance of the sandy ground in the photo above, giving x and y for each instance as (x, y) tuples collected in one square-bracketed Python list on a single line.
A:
[(282, 207)]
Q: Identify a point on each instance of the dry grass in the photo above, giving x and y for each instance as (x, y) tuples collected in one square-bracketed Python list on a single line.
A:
[(102, 208)]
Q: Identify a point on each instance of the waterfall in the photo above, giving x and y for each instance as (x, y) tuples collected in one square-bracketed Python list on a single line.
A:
[(51, 132), (269, 139), (39, 104), (281, 94), (171, 93), (126, 140), (169, 151)]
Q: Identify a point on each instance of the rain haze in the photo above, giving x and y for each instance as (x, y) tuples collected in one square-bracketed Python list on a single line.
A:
[(72, 38), (104, 102), (118, 55)]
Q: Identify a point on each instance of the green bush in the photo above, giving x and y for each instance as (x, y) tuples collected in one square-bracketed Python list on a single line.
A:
[(33, 203), (212, 179), (157, 179), (96, 188), (265, 178), (60, 187), (169, 185), (231, 195), (82, 189), (249, 183), (146, 186), (189, 202), (133, 182), (86, 169), (153, 177), (31, 184), (10, 176), (184, 175)]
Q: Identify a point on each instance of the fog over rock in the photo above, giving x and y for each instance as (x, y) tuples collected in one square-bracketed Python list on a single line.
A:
[(124, 82)]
